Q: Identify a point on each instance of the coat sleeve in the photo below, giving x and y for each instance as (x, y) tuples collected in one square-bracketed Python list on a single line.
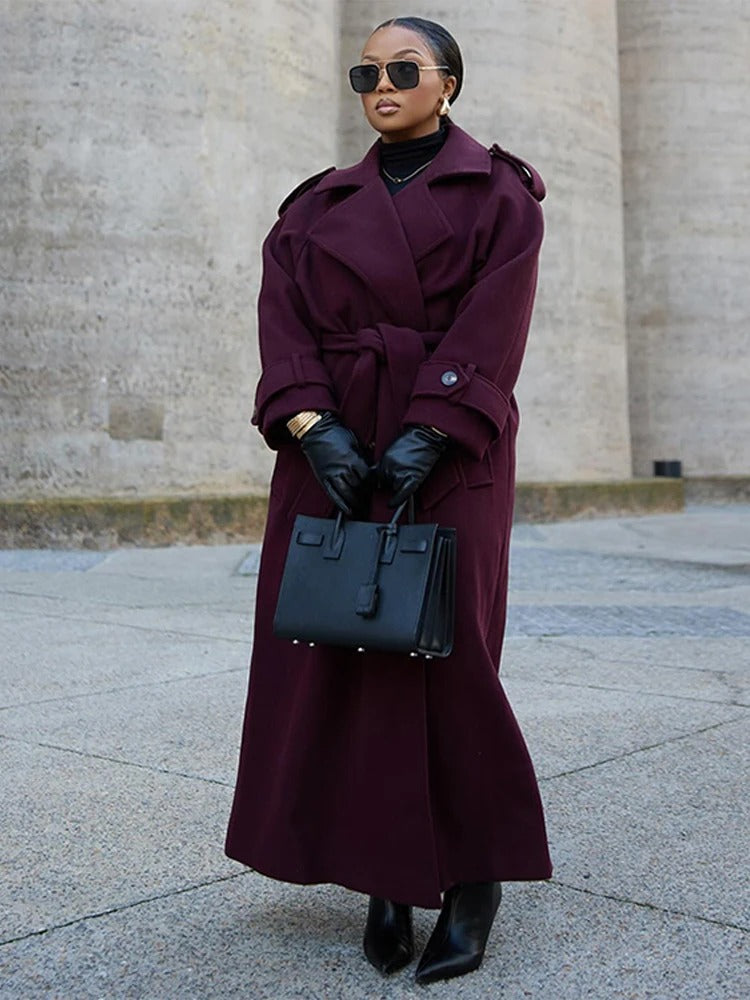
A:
[(464, 387), (293, 377)]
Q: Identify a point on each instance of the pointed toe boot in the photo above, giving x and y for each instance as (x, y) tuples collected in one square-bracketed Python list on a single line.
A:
[(457, 944), (389, 942)]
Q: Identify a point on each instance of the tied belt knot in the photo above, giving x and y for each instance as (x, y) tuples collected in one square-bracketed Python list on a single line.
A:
[(368, 339), (382, 377)]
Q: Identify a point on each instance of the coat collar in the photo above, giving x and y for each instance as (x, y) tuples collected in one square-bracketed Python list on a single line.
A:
[(381, 237), (460, 154)]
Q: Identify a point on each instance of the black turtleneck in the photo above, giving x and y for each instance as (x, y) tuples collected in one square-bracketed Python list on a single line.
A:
[(401, 159)]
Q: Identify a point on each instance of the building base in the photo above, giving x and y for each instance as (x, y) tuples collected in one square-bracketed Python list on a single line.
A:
[(214, 520)]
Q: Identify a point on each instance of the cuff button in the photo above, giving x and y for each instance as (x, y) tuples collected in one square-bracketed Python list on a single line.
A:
[(449, 378)]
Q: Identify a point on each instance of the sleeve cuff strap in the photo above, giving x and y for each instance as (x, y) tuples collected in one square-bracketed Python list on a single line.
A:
[(288, 386), (460, 401), (300, 370)]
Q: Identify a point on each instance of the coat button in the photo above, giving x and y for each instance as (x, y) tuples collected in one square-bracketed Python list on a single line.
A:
[(449, 378)]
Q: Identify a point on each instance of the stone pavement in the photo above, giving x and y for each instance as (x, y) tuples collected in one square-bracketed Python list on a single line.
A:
[(121, 691)]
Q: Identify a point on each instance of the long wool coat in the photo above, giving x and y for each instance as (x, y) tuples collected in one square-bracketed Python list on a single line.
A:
[(390, 775)]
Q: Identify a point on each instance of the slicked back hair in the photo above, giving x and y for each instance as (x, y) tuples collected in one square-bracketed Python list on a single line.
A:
[(441, 42)]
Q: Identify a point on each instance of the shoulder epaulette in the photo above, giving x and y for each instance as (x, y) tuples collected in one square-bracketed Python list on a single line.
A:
[(525, 171), (301, 188)]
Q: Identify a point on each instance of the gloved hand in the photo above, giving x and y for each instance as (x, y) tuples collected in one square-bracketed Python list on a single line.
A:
[(338, 463), (408, 460)]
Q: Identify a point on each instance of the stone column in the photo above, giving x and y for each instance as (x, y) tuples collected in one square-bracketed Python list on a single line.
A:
[(542, 80), (686, 155), (145, 148)]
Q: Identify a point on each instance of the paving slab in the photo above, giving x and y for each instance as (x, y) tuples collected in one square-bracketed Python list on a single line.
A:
[(49, 560), (692, 669), (187, 620), (569, 728), (712, 536), (666, 826), (82, 835), (571, 570), (736, 597), (626, 620), (174, 561), (44, 657), (153, 725), (66, 591), (729, 655)]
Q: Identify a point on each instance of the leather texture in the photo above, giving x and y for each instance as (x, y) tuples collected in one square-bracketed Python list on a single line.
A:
[(389, 938), (366, 585), (457, 944), (338, 462), (408, 461)]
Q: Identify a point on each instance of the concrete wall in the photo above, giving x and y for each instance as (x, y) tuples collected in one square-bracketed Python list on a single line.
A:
[(542, 80), (145, 148), (686, 145)]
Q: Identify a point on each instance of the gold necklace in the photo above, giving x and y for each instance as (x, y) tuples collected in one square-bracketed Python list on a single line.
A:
[(400, 180)]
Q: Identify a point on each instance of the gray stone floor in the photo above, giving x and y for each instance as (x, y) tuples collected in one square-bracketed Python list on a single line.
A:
[(122, 681)]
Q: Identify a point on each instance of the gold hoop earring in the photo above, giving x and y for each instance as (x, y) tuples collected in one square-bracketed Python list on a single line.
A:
[(444, 107)]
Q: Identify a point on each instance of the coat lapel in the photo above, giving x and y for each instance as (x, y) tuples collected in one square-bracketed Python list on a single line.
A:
[(364, 232), (424, 224), (382, 237)]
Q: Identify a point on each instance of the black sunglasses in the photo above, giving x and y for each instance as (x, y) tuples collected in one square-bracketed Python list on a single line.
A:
[(403, 74)]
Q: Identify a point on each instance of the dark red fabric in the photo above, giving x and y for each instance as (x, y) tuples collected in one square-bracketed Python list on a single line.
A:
[(389, 775)]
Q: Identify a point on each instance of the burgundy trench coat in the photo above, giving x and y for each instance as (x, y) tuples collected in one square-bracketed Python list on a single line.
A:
[(395, 776)]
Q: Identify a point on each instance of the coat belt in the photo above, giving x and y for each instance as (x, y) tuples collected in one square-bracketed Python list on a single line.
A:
[(382, 378)]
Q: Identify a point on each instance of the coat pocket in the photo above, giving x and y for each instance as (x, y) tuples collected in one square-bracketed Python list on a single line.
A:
[(443, 479), (457, 469), (478, 473)]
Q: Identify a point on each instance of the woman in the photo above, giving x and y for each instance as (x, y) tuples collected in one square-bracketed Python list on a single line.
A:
[(393, 314)]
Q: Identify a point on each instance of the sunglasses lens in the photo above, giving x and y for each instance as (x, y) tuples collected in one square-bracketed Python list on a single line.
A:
[(363, 78), (404, 74)]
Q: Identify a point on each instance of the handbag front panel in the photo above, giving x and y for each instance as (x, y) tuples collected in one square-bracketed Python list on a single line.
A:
[(319, 594)]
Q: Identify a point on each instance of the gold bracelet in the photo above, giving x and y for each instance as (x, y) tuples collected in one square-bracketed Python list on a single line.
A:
[(302, 422), (307, 425), (295, 422), (438, 431)]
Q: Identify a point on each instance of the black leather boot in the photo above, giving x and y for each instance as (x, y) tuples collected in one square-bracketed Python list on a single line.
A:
[(457, 944), (389, 943)]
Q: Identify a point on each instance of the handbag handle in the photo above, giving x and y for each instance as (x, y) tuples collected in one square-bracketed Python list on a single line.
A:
[(400, 509), (336, 541), (341, 517), (338, 535)]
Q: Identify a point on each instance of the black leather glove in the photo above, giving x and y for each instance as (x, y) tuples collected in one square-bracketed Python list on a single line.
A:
[(338, 463), (408, 460)]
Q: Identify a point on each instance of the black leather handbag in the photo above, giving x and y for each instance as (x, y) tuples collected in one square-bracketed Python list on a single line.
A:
[(369, 586)]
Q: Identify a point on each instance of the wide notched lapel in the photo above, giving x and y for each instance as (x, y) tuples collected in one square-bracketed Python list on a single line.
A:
[(382, 237), (424, 224), (365, 233)]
